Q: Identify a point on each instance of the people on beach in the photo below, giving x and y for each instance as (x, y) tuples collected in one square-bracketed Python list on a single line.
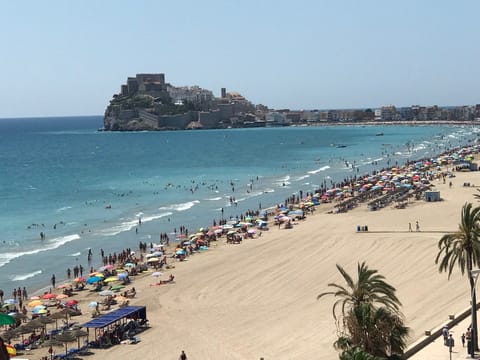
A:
[(52, 280), (417, 226), (183, 356)]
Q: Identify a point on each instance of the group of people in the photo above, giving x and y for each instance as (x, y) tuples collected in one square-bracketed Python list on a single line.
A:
[(417, 226)]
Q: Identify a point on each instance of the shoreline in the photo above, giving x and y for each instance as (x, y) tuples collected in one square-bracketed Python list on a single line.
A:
[(219, 250)]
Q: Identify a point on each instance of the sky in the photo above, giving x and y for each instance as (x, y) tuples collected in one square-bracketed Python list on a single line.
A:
[(67, 57)]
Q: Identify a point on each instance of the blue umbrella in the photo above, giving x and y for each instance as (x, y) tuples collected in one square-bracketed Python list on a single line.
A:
[(11, 301), (94, 279)]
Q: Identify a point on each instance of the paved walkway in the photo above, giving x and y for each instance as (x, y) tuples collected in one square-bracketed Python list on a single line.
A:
[(438, 351)]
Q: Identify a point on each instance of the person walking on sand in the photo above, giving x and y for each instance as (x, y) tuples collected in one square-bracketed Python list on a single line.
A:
[(183, 356), (410, 227), (417, 226)]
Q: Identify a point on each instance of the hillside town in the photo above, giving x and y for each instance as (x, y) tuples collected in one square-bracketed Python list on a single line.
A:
[(147, 102)]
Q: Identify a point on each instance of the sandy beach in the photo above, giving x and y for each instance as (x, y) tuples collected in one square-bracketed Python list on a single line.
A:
[(258, 298)]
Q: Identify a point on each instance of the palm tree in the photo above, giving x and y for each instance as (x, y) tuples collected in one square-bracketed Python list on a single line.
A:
[(462, 249), (370, 288), (379, 331), (373, 326)]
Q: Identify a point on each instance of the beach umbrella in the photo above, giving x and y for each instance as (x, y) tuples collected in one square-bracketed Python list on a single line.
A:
[(65, 338), (129, 265), (80, 279), (7, 306), (18, 315), (35, 323), (35, 297), (39, 307), (39, 311), (46, 320), (153, 259), (49, 296), (78, 333), (72, 302), (92, 304), (51, 342), (61, 296), (11, 301), (94, 279), (117, 287), (35, 303), (106, 293), (11, 350), (26, 328), (111, 279), (7, 319), (10, 334), (157, 274)]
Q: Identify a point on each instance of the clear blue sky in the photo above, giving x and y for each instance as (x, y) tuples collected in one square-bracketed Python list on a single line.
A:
[(69, 57)]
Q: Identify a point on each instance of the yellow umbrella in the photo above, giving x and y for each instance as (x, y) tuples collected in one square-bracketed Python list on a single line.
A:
[(153, 259), (110, 279), (11, 350), (35, 303)]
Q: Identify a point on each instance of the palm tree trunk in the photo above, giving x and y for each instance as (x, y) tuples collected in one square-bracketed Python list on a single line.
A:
[(474, 315)]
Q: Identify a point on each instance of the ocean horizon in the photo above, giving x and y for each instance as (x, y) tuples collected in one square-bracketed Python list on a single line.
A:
[(86, 189)]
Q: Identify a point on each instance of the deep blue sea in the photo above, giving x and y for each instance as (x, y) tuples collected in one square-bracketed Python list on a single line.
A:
[(59, 175)]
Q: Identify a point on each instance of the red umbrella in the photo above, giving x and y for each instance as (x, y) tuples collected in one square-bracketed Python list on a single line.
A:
[(71, 303), (80, 279), (49, 296)]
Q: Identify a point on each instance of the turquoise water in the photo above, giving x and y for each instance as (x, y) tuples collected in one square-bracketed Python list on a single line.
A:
[(87, 189)]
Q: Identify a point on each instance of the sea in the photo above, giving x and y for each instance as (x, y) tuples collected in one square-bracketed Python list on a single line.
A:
[(86, 189)]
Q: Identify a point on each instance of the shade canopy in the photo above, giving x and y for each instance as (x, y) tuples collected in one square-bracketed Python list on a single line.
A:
[(139, 312)]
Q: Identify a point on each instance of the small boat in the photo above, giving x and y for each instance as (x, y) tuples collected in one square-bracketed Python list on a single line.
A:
[(379, 134), (341, 146)]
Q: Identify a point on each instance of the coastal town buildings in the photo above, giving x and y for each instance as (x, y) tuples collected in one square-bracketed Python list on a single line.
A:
[(148, 102)]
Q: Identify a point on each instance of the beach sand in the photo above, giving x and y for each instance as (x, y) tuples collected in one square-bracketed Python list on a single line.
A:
[(258, 298)]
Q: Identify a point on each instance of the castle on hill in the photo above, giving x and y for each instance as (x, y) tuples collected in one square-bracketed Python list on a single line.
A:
[(147, 102)]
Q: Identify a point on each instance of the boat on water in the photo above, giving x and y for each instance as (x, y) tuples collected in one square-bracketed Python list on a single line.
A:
[(379, 134)]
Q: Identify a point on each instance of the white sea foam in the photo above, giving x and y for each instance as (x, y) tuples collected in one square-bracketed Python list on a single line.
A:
[(22, 277), (75, 254), (63, 209), (180, 207), (130, 224), (6, 257), (156, 217), (323, 168), (215, 198), (119, 228), (300, 178)]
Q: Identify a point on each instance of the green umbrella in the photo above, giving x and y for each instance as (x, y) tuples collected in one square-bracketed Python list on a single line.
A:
[(117, 287), (7, 319)]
